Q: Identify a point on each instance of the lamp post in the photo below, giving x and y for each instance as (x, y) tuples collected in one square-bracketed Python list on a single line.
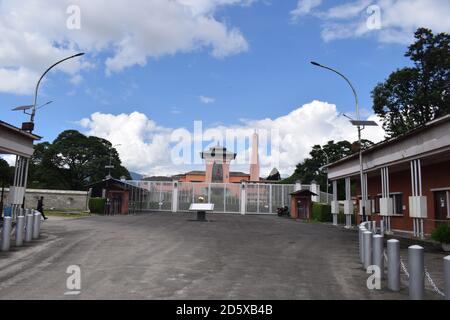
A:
[(360, 125), (29, 126), (110, 166), (328, 162)]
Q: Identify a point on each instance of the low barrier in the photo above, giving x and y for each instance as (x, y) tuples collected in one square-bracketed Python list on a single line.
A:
[(372, 253), (25, 227)]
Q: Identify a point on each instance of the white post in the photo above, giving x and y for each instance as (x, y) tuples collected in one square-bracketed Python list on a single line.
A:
[(416, 272), (313, 188), (6, 234), (36, 225), (243, 198), (175, 196)]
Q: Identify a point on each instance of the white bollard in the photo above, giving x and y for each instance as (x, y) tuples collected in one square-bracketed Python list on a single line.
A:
[(6, 233), (367, 236), (361, 230), (378, 253), (36, 225), (416, 268), (20, 230), (29, 226), (447, 277), (393, 253)]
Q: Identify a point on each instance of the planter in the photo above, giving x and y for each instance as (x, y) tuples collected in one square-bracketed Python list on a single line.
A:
[(446, 247)]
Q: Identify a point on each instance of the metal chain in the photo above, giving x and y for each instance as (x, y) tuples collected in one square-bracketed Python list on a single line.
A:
[(433, 285), (402, 265)]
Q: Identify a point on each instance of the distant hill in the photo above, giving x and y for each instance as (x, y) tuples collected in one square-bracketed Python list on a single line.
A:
[(136, 176)]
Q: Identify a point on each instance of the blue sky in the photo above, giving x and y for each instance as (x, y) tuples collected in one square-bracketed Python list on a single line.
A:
[(269, 78)]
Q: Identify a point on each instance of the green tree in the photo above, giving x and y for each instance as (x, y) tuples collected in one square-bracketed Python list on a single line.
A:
[(73, 161), (413, 96), (312, 168)]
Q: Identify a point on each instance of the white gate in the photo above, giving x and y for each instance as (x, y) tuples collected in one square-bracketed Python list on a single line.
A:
[(260, 198)]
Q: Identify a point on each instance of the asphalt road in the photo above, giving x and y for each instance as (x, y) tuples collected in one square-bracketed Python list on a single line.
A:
[(167, 256)]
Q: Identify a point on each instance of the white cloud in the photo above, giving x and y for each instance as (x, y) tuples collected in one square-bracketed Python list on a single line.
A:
[(304, 7), (146, 147), (34, 34), (207, 100), (398, 20), (11, 159)]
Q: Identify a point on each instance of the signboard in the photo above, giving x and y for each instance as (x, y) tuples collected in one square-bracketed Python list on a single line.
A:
[(201, 207)]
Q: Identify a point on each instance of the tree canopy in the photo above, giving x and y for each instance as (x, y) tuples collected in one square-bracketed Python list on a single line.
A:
[(413, 96), (73, 161), (312, 167)]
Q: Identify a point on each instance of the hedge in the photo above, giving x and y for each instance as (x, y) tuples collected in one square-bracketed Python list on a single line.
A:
[(97, 205), (321, 212), (441, 234)]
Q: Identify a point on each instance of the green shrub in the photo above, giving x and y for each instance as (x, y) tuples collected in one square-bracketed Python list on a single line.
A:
[(441, 234), (321, 212), (97, 205)]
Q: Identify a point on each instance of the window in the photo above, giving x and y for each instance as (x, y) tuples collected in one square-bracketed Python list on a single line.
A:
[(398, 203)]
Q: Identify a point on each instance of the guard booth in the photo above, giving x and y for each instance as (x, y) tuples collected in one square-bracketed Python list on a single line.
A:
[(301, 204), (116, 193)]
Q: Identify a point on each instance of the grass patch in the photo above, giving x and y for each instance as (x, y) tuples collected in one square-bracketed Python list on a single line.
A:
[(65, 214)]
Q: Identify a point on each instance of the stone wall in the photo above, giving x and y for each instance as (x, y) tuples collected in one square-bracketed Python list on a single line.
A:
[(64, 200)]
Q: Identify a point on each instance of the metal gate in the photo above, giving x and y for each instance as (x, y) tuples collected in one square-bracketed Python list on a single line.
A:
[(260, 198)]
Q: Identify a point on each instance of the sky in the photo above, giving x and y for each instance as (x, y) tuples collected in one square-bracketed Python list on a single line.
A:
[(154, 68)]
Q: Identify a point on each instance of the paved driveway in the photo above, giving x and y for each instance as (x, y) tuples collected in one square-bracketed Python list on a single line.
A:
[(167, 256)]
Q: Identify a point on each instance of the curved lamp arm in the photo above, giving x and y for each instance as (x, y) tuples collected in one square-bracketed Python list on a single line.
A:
[(40, 79)]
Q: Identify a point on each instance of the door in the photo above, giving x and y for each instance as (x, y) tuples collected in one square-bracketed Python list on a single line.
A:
[(302, 210), (441, 205)]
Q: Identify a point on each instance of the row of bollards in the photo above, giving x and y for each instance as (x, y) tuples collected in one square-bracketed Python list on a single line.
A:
[(27, 228), (371, 251)]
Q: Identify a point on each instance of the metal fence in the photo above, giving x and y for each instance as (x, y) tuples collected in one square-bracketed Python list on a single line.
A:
[(260, 198)]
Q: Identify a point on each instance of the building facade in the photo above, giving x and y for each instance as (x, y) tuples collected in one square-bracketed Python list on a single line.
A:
[(407, 179)]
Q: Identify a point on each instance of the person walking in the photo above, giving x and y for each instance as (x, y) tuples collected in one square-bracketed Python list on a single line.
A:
[(40, 207)]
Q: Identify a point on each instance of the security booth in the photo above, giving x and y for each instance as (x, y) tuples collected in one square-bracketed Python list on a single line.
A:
[(116, 193), (18, 142), (301, 204)]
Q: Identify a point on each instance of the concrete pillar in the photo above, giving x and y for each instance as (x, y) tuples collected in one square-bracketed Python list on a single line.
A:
[(416, 269), (36, 225), (243, 198), (298, 186), (393, 253), (361, 243), (367, 239), (447, 277), (6, 233), (175, 196), (20, 228), (378, 253), (335, 203), (29, 226), (316, 189)]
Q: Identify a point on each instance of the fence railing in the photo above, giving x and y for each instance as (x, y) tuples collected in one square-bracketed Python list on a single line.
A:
[(258, 198)]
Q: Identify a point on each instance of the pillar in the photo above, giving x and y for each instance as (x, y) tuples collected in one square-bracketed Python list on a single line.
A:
[(243, 198), (348, 205), (335, 204), (417, 202), (175, 196)]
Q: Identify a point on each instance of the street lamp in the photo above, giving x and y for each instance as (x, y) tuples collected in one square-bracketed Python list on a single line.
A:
[(29, 126), (328, 162), (110, 166), (360, 125)]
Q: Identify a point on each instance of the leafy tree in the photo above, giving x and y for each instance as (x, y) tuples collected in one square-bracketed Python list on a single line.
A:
[(413, 96), (312, 168), (73, 161)]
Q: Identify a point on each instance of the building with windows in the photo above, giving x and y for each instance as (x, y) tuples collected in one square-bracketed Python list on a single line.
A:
[(217, 167), (407, 179)]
